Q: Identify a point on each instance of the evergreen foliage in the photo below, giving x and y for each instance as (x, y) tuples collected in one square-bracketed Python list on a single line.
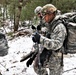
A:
[(65, 5)]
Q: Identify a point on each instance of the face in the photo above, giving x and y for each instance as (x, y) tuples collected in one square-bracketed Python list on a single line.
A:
[(48, 17), (39, 15)]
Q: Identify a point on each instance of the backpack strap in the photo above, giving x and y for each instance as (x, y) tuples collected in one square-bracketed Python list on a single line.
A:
[(54, 24), (66, 37)]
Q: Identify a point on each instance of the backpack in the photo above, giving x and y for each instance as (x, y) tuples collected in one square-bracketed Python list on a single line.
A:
[(69, 22), (70, 40), (3, 45), (70, 17)]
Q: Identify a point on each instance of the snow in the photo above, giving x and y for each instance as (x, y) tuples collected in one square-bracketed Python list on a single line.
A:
[(18, 48), (69, 64)]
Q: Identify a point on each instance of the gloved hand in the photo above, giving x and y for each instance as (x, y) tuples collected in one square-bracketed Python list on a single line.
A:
[(33, 27), (48, 35), (39, 27), (36, 38), (29, 62)]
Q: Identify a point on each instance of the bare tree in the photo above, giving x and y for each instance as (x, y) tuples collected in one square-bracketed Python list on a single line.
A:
[(16, 24)]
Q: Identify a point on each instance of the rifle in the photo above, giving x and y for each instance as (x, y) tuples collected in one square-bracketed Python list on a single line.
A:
[(32, 52), (38, 48), (27, 56), (62, 59), (39, 51)]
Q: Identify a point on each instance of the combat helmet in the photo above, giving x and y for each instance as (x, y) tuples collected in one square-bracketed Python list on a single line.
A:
[(38, 9), (49, 8)]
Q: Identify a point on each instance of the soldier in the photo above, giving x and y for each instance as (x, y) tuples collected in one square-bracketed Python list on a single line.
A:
[(38, 18), (38, 11), (42, 24), (52, 43)]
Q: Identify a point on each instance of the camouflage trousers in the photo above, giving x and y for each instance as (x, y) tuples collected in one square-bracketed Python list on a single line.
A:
[(47, 71), (54, 66)]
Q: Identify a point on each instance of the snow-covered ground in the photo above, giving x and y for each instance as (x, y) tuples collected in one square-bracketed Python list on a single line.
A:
[(19, 47)]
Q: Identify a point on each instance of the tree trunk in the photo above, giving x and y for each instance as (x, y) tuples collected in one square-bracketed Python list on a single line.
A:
[(51, 1), (17, 19), (18, 15)]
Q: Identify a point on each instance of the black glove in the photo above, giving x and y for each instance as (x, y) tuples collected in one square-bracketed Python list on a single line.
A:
[(36, 38), (39, 27), (33, 27), (48, 35), (29, 62)]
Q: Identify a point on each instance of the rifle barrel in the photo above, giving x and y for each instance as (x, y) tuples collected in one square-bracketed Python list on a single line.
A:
[(27, 56)]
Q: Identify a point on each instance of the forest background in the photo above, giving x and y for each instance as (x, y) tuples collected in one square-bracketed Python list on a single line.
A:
[(22, 10)]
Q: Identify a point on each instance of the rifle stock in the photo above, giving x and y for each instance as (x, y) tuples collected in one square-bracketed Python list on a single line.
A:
[(27, 56)]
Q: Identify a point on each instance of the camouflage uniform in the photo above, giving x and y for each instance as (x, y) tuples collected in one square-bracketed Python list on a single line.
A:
[(55, 42)]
